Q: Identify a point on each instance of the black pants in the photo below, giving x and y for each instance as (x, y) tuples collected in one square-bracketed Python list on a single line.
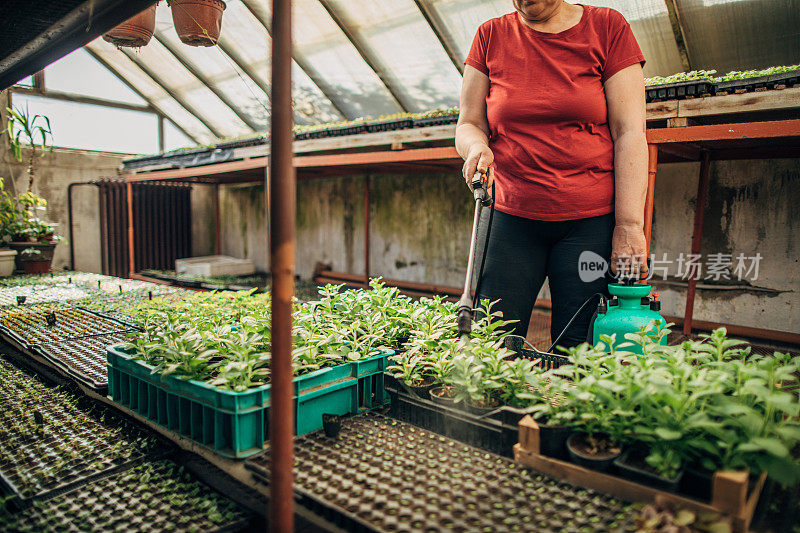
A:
[(522, 252)]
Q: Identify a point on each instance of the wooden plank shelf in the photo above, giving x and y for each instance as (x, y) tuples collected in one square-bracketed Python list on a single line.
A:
[(729, 494)]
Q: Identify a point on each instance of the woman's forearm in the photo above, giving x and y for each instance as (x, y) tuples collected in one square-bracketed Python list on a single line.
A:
[(467, 136), (630, 171)]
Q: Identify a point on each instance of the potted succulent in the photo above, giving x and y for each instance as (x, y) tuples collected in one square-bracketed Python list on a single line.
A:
[(197, 22), (136, 31)]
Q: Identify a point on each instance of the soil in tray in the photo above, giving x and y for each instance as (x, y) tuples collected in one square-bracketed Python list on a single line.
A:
[(388, 475), (70, 323), (48, 441), (84, 358), (157, 496)]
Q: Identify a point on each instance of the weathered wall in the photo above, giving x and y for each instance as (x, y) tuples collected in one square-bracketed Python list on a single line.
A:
[(420, 230)]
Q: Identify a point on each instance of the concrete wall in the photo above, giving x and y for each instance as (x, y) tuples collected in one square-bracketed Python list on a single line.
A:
[(54, 172), (420, 230)]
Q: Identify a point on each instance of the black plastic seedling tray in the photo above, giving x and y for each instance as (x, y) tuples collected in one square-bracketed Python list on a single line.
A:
[(71, 323), (152, 496), (771, 81), (389, 125), (680, 90), (83, 359), (386, 475), (435, 121), (48, 443)]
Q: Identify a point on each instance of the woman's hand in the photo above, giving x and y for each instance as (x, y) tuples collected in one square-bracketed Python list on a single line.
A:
[(479, 158), (629, 250)]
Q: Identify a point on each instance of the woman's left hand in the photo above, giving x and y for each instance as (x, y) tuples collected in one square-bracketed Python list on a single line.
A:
[(629, 250)]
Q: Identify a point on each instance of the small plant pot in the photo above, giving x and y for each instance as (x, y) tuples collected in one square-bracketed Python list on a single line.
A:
[(134, 32), (198, 22), (7, 262), (553, 441), (578, 455), (439, 395), (631, 466), (39, 266), (423, 390), (331, 424), (481, 410)]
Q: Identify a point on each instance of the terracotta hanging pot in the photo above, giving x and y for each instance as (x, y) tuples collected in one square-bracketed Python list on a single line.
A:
[(198, 22), (134, 32)]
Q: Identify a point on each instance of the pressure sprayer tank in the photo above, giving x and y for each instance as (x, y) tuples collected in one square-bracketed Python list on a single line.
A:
[(629, 308)]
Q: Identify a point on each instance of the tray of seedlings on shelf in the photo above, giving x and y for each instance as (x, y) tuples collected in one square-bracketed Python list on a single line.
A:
[(83, 359), (758, 80), (151, 496), (680, 86), (49, 442), (35, 294), (492, 430), (390, 123), (27, 329), (382, 474), (437, 117)]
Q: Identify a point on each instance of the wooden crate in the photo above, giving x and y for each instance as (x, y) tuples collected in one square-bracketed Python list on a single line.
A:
[(728, 494)]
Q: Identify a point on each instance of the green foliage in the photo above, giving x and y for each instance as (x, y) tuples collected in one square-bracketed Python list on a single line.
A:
[(745, 74), (32, 130), (681, 76)]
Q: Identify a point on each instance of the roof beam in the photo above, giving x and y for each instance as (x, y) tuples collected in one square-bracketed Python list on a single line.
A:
[(184, 103), (81, 99), (439, 29), (328, 91), (366, 54), (202, 78), (144, 97), (678, 33)]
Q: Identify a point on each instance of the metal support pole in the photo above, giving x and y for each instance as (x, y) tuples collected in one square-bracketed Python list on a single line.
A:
[(697, 238), (217, 239), (282, 255), (366, 230), (131, 254), (652, 166)]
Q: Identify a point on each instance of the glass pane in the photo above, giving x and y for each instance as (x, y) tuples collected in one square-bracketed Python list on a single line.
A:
[(648, 19), (741, 34), (27, 81), (406, 50), (174, 138), (162, 100), (94, 79), (91, 127)]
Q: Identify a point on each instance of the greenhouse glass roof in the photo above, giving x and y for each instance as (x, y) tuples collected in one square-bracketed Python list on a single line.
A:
[(362, 58)]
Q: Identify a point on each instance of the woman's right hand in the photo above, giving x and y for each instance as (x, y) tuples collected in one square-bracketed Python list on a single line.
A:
[(479, 158)]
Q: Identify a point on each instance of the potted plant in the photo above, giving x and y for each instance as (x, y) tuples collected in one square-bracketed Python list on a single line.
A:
[(34, 261), (8, 219), (34, 238), (24, 128), (440, 366), (136, 31), (197, 22)]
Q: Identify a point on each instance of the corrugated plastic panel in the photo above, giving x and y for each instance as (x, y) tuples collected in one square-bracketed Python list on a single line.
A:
[(741, 34), (409, 55)]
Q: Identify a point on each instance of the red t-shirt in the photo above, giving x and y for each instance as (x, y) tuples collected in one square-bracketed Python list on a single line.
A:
[(553, 152)]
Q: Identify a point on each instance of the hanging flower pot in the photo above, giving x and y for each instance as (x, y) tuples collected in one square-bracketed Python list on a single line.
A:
[(134, 32), (198, 22)]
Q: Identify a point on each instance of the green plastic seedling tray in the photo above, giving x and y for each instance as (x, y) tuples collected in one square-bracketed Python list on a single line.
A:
[(371, 391), (236, 424)]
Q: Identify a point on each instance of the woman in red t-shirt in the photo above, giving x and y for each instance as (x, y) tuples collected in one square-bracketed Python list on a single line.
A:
[(552, 106)]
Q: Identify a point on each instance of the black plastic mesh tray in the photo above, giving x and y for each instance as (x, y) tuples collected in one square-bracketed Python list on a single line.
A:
[(157, 496), (48, 442), (680, 90), (28, 329), (83, 359), (760, 83), (387, 475)]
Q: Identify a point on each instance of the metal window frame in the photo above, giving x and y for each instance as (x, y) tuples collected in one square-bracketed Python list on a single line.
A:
[(188, 106), (439, 29), (97, 57), (327, 91), (205, 80), (367, 55)]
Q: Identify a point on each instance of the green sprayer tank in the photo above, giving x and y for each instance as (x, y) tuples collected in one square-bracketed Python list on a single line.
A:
[(629, 308)]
